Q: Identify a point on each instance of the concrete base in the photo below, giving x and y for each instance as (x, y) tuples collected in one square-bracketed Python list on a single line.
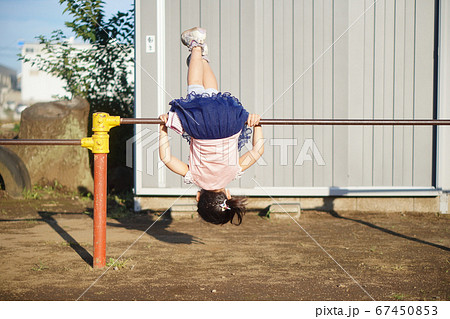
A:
[(439, 204)]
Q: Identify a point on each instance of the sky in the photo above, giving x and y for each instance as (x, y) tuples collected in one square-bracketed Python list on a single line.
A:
[(27, 19)]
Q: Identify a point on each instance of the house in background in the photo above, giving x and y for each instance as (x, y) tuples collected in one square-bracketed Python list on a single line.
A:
[(8, 86), (39, 86)]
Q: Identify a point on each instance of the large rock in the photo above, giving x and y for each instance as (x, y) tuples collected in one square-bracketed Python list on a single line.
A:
[(69, 165)]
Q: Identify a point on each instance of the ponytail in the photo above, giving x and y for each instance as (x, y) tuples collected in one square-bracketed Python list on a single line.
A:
[(215, 208), (237, 209)]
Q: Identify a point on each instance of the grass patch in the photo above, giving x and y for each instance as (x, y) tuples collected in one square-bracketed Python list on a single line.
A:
[(398, 268), (31, 194), (117, 264), (39, 267), (375, 250), (86, 196), (45, 189), (69, 244), (398, 296)]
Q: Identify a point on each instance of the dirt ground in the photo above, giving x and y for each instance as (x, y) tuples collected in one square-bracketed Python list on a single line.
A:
[(46, 254)]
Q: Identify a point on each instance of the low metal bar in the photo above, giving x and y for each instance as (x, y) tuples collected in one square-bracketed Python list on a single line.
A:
[(311, 122), (38, 142)]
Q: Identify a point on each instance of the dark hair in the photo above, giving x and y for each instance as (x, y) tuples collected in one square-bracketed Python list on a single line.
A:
[(210, 210)]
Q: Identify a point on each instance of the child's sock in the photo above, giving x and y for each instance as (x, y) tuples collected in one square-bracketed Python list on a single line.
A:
[(204, 57), (204, 53)]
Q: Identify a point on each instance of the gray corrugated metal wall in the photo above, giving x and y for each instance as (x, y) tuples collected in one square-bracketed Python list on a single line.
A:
[(380, 67)]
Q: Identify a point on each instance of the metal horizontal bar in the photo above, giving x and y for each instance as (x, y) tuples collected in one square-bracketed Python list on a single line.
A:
[(38, 142), (311, 122)]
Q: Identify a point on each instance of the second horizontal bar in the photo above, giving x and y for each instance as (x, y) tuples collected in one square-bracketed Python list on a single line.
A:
[(39, 142)]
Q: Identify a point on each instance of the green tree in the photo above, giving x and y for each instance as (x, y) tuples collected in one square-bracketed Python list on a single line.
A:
[(103, 74)]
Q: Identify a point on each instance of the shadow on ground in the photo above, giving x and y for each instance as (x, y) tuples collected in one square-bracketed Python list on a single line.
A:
[(153, 225), (328, 207)]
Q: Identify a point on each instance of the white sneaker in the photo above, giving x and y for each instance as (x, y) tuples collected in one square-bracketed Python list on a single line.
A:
[(193, 37)]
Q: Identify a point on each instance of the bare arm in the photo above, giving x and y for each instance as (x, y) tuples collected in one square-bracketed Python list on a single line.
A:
[(250, 158), (172, 163)]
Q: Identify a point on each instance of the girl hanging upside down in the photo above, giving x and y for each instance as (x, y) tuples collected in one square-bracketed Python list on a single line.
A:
[(215, 124)]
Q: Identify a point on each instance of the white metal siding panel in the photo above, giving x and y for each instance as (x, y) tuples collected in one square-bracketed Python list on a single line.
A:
[(210, 20), (283, 106), (408, 112), (388, 107), (380, 67), (173, 55), (302, 89), (267, 52), (261, 171), (249, 78), (298, 86), (423, 97), (340, 110), (355, 106), (368, 93), (147, 172), (399, 92), (323, 90), (377, 169)]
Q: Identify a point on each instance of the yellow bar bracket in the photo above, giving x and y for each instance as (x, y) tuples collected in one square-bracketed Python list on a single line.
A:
[(101, 124)]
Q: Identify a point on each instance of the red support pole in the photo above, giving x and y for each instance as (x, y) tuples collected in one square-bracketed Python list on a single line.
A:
[(100, 168)]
